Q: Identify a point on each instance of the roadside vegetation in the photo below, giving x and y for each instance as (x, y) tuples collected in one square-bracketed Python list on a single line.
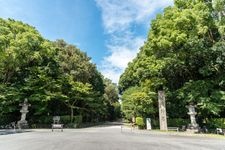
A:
[(184, 55), (57, 78)]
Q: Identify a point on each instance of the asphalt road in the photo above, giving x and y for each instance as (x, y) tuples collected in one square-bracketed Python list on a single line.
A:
[(105, 138)]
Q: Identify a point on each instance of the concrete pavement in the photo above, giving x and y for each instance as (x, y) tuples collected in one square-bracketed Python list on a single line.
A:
[(105, 138)]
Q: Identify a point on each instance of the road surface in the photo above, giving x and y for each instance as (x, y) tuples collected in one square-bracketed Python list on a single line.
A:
[(105, 138)]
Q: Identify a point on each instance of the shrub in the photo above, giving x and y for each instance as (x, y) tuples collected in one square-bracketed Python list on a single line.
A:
[(216, 123), (5, 119), (33, 126), (65, 119), (175, 122), (155, 123), (117, 110), (78, 119), (76, 122), (178, 122), (44, 120), (140, 122)]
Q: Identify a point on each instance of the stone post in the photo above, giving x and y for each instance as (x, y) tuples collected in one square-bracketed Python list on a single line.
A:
[(162, 110)]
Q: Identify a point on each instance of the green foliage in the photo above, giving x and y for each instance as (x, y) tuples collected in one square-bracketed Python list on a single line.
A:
[(111, 91), (155, 123), (65, 119), (52, 75), (219, 14), (136, 102), (78, 119), (200, 92), (111, 98), (183, 55), (25, 67), (140, 122), (45, 120), (81, 86), (217, 123), (6, 119), (117, 109), (177, 122)]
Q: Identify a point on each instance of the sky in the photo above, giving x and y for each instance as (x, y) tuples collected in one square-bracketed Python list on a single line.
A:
[(109, 31)]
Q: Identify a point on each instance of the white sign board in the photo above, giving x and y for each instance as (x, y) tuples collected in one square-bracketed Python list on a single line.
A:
[(148, 123)]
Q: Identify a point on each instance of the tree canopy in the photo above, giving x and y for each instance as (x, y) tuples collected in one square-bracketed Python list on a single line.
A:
[(183, 55), (57, 78)]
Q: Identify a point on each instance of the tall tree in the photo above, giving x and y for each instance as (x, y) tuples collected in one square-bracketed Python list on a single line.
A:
[(79, 79), (111, 96), (26, 67), (183, 54), (49, 74), (136, 103)]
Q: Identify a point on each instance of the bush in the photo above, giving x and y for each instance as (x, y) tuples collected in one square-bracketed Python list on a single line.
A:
[(78, 119), (48, 120), (178, 122), (117, 110), (175, 122), (140, 122), (5, 120), (155, 123), (33, 126), (43, 120), (76, 122), (216, 123), (65, 119)]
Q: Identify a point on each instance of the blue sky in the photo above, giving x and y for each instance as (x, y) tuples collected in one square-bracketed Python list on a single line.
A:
[(110, 31)]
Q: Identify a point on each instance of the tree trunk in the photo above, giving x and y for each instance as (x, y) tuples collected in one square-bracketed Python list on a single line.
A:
[(71, 114)]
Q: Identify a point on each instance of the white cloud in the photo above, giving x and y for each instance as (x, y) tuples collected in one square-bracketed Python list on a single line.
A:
[(119, 15), (113, 65), (122, 53), (118, 19)]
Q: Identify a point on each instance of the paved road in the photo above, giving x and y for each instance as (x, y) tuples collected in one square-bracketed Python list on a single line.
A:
[(105, 138)]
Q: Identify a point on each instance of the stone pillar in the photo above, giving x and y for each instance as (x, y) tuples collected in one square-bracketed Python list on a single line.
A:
[(162, 110)]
